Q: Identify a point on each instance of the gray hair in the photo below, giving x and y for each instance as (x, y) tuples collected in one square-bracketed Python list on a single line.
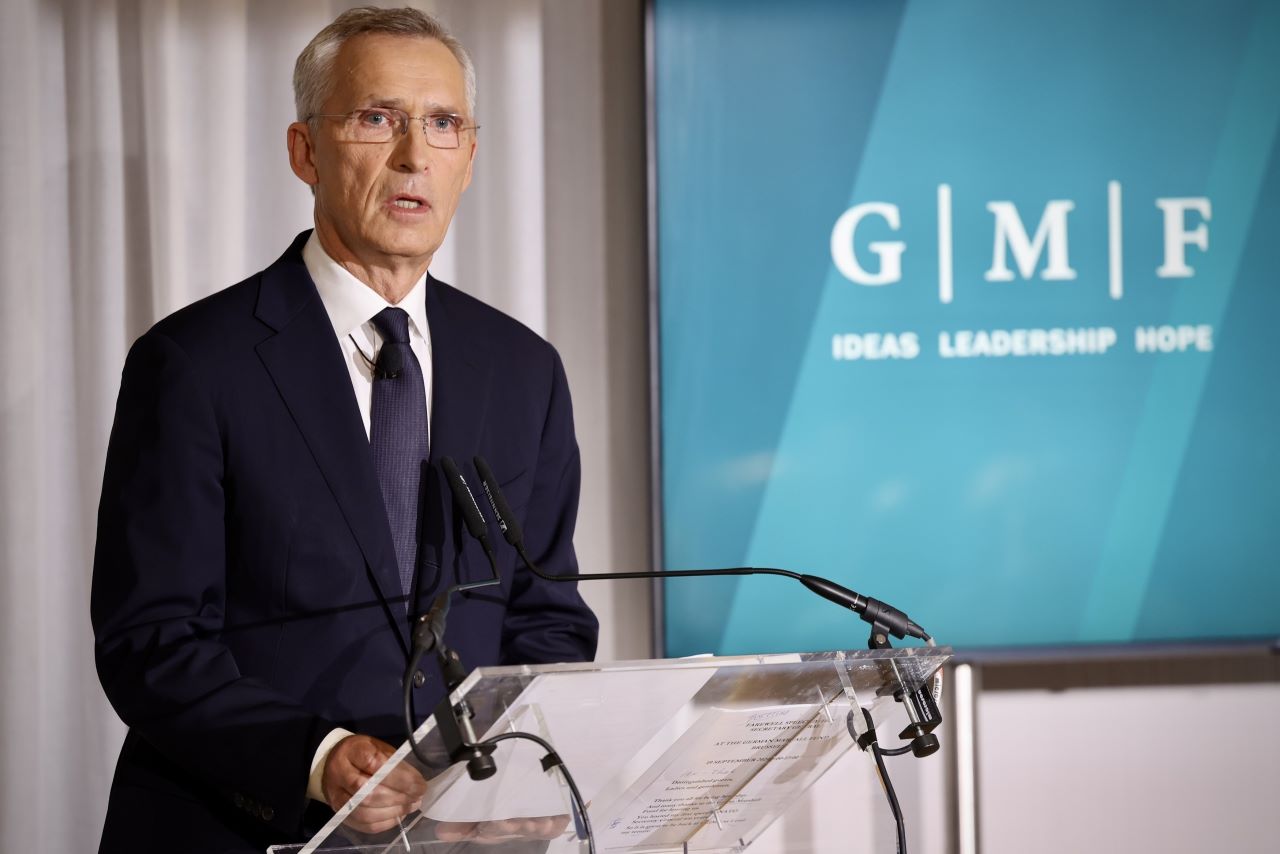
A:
[(313, 72)]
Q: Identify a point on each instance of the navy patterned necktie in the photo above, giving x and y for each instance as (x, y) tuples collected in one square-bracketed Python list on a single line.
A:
[(398, 436)]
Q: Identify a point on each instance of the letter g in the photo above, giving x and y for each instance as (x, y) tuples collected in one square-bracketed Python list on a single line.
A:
[(889, 252)]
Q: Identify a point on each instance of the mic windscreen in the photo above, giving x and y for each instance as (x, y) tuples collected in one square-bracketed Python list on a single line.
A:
[(506, 519), (464, 499), (390, 362)]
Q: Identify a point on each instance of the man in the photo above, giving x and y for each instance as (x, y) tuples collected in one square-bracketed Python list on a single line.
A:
[(272, 515)]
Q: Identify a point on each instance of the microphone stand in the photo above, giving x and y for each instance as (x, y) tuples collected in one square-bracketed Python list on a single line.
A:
[(885, 620), (453, 720)]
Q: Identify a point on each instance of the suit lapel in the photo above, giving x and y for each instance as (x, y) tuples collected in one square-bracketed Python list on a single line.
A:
[(305, 363), (460, 377)]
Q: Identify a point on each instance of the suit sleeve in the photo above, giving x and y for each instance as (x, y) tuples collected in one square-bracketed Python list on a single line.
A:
[(548, 621), (159, 593)]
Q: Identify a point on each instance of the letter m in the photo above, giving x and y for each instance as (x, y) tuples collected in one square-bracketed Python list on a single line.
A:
[(1011, 234)]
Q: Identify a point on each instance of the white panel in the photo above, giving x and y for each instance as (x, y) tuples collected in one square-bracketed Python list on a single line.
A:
[(1178, 770)]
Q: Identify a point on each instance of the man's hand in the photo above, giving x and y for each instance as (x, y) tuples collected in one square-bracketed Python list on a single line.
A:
[(350, 765), (493, 832)]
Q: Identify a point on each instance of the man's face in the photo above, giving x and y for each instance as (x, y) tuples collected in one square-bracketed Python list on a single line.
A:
[(366, 192)]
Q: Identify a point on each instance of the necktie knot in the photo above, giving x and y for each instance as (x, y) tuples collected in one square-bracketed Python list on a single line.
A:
[(393, 324)]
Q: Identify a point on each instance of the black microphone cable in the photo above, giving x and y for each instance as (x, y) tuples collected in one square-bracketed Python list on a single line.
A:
[(869, 741), (428, 634), (553, 760), (386, 366), (884, 618)]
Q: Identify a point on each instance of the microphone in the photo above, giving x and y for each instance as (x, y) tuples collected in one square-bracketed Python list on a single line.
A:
[(428, 634), (390, 363), (428, 630), (471, 514), (884, 618), (507, 522)]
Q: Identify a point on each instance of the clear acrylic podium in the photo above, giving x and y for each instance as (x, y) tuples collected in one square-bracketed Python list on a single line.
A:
[(679, 755)]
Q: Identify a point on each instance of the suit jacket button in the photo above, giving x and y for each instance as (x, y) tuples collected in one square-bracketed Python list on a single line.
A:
[(267, 813), (238, 800), (419, 679)]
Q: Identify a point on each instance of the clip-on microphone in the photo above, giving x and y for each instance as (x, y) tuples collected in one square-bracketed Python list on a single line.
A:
[(389, 365)]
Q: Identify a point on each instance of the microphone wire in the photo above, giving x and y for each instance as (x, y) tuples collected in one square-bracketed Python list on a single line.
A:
[(882, 617), (553, 760), (887, 784)]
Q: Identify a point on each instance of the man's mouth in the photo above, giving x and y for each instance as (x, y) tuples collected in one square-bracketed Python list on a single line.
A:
[(409, 202)]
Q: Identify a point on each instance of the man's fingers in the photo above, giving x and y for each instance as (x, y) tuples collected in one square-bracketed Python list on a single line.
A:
[(369, 818), (351, 763), (373, 826), (369, 755), (370, 813), (549, 827), (454, 831), (381, 796), (540, 827), (500, 829), (397, 787), (405, 778)]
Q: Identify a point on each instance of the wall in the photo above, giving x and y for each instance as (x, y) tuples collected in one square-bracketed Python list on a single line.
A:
[(1174, 752), (561, 183), (593, 102), (1170, 752)]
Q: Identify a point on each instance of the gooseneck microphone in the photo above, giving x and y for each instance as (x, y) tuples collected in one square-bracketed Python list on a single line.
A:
[(454, 721), (471, 515), (884, 618), (428, 635)]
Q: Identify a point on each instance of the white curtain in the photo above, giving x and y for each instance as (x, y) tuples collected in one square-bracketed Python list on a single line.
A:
[(142, 166)]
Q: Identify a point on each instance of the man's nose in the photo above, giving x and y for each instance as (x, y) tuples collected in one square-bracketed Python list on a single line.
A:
[(412, 154)]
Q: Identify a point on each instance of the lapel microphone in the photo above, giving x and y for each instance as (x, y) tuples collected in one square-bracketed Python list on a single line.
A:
[(387, 366), (389, 363)]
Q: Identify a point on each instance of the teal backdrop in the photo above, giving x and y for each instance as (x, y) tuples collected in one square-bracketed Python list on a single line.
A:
[(1082, 449)]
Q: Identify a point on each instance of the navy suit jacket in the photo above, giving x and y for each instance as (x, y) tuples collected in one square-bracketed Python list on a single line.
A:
[(246, 598)]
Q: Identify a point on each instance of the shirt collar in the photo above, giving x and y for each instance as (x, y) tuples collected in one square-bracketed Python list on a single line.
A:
[(351, 303)]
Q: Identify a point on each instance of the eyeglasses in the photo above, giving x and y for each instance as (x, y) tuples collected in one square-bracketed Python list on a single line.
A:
[(383, 124)]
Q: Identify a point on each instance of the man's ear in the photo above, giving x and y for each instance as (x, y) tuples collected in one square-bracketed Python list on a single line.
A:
[(471, 161), (302, 153)]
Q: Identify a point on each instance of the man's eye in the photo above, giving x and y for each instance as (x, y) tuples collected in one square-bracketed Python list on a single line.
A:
[(444, 123), (376, 118)]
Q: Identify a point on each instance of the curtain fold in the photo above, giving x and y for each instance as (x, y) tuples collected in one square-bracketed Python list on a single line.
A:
[(142, 166), (56, 727)]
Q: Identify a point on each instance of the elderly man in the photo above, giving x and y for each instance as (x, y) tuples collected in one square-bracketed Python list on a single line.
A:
[(272, 516)]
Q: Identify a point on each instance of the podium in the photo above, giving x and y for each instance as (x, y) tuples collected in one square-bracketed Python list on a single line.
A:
[(680, 755)]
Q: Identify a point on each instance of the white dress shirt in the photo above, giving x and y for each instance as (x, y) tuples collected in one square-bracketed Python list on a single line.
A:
[(351, 306)]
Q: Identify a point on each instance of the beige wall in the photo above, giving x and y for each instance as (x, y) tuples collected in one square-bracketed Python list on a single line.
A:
[(598, 291)]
